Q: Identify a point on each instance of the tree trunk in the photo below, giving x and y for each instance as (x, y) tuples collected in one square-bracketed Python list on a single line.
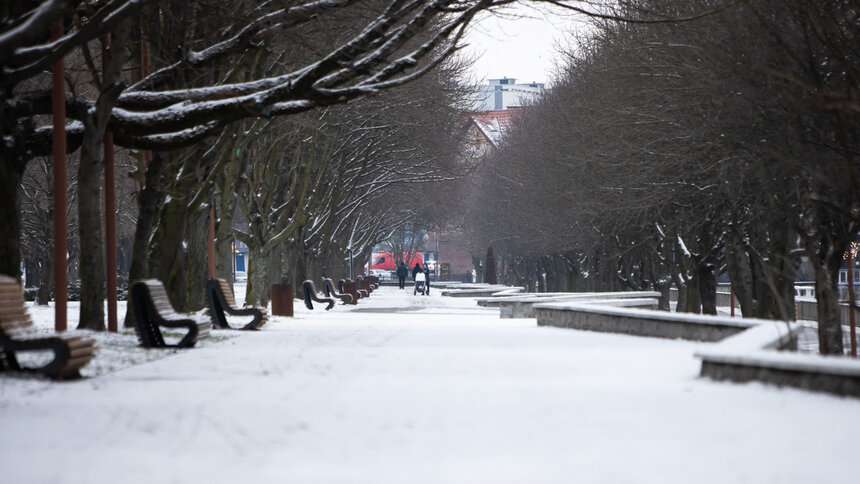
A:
[(490, 276), (741, 275), (829, 319), (46, 279), (167, 261), (664, 287), (92, 249), (256, 291), (707, 288), (195, 254), (11, 172), (825, 246), (150, 197), (90, 169), (693, 300)]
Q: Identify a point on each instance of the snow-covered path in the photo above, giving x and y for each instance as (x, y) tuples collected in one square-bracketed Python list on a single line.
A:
[(422, 390)]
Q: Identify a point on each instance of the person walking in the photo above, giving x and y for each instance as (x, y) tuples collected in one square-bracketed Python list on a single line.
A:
[(427, 280), (419, 283), (402, 272), (416, 270)]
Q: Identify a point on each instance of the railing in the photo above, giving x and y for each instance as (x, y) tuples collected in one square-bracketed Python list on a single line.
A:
[(804, 308)]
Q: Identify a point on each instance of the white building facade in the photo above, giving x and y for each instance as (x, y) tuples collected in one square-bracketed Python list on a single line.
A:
[(506, 93)]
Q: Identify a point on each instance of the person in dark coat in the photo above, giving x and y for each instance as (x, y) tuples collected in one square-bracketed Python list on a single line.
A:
[(402, 272), (427, 281), (416, 270)]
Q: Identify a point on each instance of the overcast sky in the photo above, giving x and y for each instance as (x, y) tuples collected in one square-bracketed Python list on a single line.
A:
[(520, 43)]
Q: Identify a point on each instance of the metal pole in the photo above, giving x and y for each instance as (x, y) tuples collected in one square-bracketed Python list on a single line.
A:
[(58, 99), (851, 317), (211, 243), (110, 211), (351, 276), (732, 298)]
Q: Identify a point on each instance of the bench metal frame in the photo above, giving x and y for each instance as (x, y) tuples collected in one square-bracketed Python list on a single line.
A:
[(217, 292), (329, 291), (310, 292), (152, 310)]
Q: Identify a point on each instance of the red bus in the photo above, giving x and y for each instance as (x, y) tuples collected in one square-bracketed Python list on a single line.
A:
[(383, 261)]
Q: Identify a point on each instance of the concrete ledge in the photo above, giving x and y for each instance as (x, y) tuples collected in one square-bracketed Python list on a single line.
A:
[(846, 385), (751, 356), (639, 322), (482, 291), (523, 306), (494, 300)]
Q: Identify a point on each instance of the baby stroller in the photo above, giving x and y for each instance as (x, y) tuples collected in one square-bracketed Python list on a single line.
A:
[(419, 283)]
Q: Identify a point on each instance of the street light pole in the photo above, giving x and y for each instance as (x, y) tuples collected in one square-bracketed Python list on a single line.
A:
[(851, 316)]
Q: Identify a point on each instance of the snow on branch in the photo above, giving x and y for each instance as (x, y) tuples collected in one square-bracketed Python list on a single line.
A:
[(34, 59)]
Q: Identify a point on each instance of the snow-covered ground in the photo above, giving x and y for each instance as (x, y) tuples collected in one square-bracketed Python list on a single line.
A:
[(416, 389)]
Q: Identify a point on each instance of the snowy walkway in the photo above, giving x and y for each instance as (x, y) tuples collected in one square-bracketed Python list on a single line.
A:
[(405, 389)]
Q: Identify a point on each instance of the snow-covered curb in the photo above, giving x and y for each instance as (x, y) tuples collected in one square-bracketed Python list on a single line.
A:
[(751, 356), (639, 322), (523, 306), (483, 290), (494, 300)]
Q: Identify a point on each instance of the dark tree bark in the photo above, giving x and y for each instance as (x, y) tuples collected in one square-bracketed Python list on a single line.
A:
[(92, 253), (11, 172), (490, 267), (707, 282), (150, 197)]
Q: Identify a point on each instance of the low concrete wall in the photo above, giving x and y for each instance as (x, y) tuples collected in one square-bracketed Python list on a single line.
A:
[(494, 300), (484, 290), (523, 306), (819, 381), (639, 322), (751, 356)]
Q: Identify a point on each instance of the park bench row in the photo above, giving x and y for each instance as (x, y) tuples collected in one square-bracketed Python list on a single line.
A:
[(346, 290), (152, 311)]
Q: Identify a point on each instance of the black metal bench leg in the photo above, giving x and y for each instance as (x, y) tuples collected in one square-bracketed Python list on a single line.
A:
[(8, 360)]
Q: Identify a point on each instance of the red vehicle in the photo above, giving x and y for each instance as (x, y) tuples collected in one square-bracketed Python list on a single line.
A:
[(383, 261)]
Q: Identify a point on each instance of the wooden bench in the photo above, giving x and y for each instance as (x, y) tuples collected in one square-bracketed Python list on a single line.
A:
[(221, 300), (329, 291), (310, 291), (362, 293), (17, 333), (374, 282), (152, 310), (351, 288), (364, 285)]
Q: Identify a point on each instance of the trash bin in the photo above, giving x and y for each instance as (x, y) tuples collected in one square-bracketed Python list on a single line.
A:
[(282, 299)]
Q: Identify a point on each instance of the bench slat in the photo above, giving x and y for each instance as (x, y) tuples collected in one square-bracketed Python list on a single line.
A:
[(19, 334)]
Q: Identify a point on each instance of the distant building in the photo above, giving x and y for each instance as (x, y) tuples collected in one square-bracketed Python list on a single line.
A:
[(505, 93), (484, 132)]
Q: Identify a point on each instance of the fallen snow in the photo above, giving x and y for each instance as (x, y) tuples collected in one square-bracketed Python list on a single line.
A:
[(417, 389)]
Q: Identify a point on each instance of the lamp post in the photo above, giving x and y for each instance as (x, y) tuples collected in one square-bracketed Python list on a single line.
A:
[(851, 317), (58, 96), (234, 251)]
